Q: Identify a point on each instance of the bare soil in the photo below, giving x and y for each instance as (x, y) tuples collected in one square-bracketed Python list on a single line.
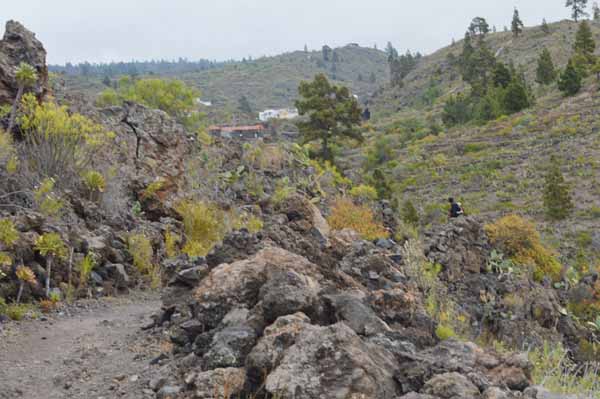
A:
[(91, 351)]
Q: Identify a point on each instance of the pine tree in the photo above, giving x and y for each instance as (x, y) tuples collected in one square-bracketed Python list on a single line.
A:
[(570, 80), (502, 75), (557, 196), (517, 24), (545, 73), (479, 27), (331, 112), (584, 42), (516, 97), (577, 8), (596, 11), (545, 27)]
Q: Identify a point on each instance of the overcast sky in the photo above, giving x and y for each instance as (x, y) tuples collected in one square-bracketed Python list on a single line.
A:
[(114, 30)]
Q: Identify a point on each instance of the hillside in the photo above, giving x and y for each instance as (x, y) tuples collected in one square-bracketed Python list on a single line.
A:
[(271, 82), (499, 167), (436, 70)]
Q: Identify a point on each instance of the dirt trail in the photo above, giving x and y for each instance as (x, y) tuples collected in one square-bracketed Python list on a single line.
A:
[(94, 354)]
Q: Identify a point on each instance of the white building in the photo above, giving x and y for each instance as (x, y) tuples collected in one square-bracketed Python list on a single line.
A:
[(284, 113)]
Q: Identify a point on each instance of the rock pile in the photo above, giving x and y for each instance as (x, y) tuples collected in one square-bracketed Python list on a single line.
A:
[(336, 318)]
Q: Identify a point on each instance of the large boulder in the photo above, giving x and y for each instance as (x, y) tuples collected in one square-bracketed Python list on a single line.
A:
[(20, 45), (333, 362)]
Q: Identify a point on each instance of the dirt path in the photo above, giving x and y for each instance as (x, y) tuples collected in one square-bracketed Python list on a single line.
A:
[(94, 354)]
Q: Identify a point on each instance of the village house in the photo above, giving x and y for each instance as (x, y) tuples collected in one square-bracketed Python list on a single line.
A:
[(284, 113)]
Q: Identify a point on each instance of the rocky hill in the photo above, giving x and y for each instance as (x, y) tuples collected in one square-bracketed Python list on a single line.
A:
[(436, 69)]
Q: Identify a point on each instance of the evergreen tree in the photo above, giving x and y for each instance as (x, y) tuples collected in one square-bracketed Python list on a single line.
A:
[(596, 69), (331, 111), (106, 81), (577, 8), (545, 27), (569, 81), (326, 50), (479, 27), (516, 97), (517, 24), (557, 196), (457, 110), (391, 52), (244, 105), (584, 42), (502, 75), (545, 73), (596, 12)]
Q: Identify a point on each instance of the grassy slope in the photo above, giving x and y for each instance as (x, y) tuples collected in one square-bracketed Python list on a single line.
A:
[(272, 82), (499, 168)]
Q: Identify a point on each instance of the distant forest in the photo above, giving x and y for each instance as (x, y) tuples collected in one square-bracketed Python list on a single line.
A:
[(133, 68)]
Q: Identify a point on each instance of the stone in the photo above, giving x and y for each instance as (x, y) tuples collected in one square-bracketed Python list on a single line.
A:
[(118, 274), (168, 392), (20, 45), (333, 362), (230, 347), (350, 309), (451, 386), (219, 383)]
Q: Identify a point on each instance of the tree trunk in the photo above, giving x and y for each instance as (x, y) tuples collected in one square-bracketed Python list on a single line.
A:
[(15, 107), (48, 271), (21, 285)]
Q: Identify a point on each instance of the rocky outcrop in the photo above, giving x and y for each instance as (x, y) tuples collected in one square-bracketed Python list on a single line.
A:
[(20, 45), (460, 247), (151, 143), (327, 316)]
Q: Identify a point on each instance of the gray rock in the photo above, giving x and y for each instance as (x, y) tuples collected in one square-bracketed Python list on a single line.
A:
[(451, 386), (333, 362), (361, 318), (230, 347), (168, 392)]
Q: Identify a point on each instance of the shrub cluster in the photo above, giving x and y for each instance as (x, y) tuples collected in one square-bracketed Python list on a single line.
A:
[(518, 238), (345, 214)]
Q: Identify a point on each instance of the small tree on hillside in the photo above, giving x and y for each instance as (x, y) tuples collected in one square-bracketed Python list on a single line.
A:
[(244, 105), (51, 246), (545, 72), (557, 196), (584, 42), (570, 80), (516, 97), (517, 24), (26, 77), (577, 8), (545, 27), (332, 113), (596, 11), (479, 27)]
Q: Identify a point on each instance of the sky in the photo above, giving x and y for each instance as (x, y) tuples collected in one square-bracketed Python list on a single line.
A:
[(122, 30)]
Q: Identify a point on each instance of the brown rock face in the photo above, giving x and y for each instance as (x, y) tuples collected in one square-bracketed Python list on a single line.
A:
[(21, 45)]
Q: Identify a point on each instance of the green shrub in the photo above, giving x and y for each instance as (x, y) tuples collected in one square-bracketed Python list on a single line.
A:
[(360, 218), (518, 238), (204, 226), (140, 248), (85, 268), (554, 369), (8, 233), (364, 193), (444, 332), (94, 181)]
